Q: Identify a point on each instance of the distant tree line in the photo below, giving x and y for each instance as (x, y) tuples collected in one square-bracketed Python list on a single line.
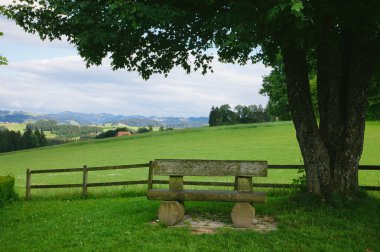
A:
[(140, 122), (162, 128), (224, 115), (11, 140), (141, 130), (275, 87), (65, 131), (144, 129), (114, 132), (111, 133)]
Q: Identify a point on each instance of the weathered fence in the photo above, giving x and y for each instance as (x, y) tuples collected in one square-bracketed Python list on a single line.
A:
[(85, 184)]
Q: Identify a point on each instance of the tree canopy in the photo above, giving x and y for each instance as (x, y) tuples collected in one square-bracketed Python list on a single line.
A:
[(224, 115), (275, 87), (155, 36), (11, 140), (339, 39)]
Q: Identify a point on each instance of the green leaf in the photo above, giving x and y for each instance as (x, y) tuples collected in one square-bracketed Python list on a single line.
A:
[(297, 6)]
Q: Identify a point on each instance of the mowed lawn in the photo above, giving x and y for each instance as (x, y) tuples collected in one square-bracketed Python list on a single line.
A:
[(118, 219), (274, 142)]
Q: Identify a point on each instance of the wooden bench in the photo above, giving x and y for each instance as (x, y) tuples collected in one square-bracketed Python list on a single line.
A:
[(172, 210)]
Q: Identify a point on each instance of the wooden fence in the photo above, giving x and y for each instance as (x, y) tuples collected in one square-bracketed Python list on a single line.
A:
[(84, 185)]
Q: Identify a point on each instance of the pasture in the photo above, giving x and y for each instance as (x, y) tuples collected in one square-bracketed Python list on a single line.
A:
[(22, 127), (119, 218), (50, 135), (14, 126), (274, 142)]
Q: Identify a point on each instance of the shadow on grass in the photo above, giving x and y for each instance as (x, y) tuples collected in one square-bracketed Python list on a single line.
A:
[(101, 194), (305, 222), (291, 197)]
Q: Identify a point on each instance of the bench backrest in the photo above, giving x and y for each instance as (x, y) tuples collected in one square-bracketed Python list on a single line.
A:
[(192, 167)]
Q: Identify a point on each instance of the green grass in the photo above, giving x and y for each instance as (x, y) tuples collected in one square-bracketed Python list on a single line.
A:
[(22, 127), (274, 142), (123, 224), (49, 134), (118, 218), (14, 126)]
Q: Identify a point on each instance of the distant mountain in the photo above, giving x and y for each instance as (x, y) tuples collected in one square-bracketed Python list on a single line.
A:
[(173, 122), (82, 118), (141, 122), (13, 116), (68, 117)]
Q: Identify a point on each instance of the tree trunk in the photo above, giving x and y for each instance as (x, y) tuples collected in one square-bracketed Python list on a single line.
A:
[(314, 152), (341, 120), (331, 152)]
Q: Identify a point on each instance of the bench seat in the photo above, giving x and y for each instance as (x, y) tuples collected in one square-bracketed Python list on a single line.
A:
[(206, 195), (172, 209)]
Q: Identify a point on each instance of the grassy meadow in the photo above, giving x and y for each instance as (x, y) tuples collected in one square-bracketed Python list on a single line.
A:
[(118, 218), (14, 126), (274, 142), (22, 127), (50, 135)]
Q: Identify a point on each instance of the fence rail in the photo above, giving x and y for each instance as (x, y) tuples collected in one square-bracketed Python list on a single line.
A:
[(84, 185), (292, 167)]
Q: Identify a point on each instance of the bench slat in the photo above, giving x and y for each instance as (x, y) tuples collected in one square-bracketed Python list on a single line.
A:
[(191, 167), (207, 195)]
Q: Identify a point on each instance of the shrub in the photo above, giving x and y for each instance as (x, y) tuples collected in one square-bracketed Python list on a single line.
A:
[(300, 182), (111, 133), (6, 189), (143, 130)]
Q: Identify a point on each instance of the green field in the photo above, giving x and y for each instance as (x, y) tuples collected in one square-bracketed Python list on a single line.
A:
[(110, 126), (118, 218), (22, 127), (14, 126), (274, 142)]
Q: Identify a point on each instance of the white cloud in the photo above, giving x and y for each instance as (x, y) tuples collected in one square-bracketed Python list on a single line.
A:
[(59, 84), (48, 77), (16, 44)]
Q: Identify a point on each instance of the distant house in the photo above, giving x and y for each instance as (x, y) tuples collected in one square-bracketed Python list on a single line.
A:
[(124, 133)]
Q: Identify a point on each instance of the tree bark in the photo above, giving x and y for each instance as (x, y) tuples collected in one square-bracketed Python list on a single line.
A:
[(314, 152), (345, 66), (345, 69)]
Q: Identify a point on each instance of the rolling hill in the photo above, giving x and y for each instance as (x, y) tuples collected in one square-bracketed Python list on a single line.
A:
[(69, 117), (274, 142)]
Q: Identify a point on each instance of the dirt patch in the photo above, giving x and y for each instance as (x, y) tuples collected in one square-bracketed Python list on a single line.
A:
[(202, 225)]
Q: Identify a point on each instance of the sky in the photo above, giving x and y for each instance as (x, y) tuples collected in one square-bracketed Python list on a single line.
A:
[(50, 77)]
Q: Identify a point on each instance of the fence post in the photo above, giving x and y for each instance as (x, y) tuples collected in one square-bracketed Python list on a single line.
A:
[(150, 175), (236, 183), (28, 180), (85, 173)]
